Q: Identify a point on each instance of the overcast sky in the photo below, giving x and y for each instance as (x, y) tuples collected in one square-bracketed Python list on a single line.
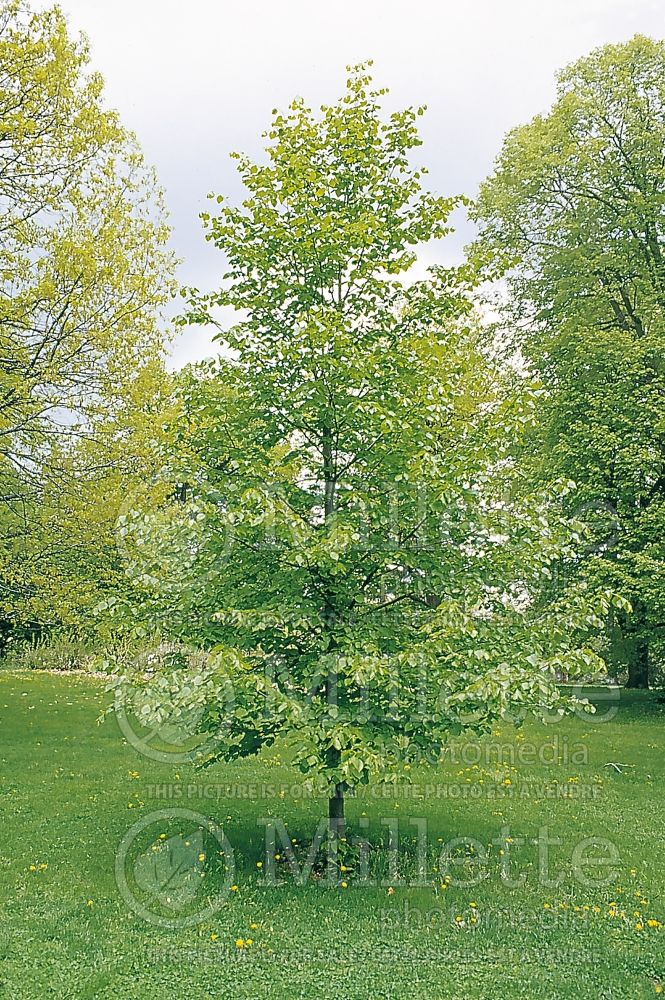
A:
[(198, 80)]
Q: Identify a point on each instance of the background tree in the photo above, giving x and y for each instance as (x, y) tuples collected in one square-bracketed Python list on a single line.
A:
[(574, 215), (83, 274), (350, 552)]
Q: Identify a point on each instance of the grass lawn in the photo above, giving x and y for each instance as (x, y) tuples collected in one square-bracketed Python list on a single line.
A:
[(536, 921)]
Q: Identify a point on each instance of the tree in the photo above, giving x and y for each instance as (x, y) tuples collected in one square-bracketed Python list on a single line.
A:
[(84, 273), (347, 548), (574, 215)]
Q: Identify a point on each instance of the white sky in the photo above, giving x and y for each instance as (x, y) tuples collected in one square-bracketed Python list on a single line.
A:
[(198, 80)]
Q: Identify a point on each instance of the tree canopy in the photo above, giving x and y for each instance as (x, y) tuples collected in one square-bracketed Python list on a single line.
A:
[(84, 272), (573, 214)]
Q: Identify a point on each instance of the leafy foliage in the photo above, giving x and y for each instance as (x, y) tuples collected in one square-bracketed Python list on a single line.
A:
[(83, 275), (574, 214)]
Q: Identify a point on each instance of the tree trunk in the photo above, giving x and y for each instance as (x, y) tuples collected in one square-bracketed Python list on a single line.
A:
[(638, 665), (336, 819)]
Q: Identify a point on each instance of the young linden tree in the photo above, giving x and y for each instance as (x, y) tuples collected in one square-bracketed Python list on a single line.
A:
[(346, 545)]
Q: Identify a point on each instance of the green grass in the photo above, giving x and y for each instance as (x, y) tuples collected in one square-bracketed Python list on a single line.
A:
[(67, 932)]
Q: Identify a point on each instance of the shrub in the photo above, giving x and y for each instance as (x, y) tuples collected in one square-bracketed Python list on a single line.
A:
[(57, 652)]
